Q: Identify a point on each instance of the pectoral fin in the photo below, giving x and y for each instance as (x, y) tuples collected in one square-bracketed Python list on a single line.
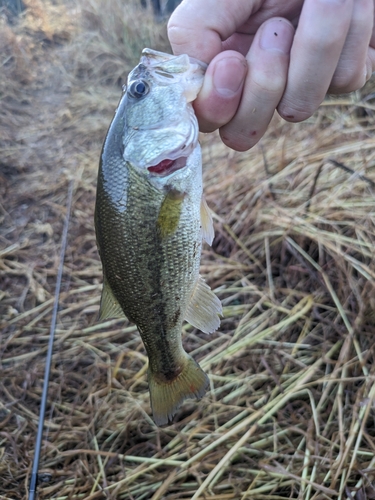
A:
[(170, 212), (109, 307), (204, 308), (207, 224)]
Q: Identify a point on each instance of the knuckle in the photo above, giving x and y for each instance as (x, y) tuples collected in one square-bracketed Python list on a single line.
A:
[(271, 83), (319, 44), (347, 80), (178, 35)]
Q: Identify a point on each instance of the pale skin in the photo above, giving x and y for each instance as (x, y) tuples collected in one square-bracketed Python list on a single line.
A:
[(267, 55)]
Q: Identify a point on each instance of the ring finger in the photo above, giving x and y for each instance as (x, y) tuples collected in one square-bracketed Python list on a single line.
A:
[(317, 45)]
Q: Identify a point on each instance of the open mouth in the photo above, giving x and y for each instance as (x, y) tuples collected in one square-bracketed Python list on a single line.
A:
[(167, 167)]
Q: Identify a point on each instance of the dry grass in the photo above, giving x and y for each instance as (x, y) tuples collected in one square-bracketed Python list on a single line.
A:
[(291, 412)]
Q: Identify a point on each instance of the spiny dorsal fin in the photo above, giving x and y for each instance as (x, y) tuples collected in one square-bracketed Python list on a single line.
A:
[(207, 224), (109, 307), (204, 308)]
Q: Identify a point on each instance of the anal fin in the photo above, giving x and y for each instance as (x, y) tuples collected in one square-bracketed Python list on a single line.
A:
[(109, 307), (204, 308)]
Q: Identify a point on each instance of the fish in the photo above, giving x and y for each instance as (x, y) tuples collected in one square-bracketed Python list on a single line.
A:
[(151, 219)]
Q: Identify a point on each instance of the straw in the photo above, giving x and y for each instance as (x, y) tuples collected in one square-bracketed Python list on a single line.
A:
[(290, 410)]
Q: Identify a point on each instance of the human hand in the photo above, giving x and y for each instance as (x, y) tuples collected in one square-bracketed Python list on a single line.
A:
[(259, 62)]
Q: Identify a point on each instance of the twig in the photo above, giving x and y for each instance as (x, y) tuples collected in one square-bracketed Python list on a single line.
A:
[(269, 174), (343, 167), (351, 171), (312, 191)]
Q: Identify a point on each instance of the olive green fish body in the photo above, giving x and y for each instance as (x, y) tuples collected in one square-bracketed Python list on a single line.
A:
[(150, 274), (149, 234)]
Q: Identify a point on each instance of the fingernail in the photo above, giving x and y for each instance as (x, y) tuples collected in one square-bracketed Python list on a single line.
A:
[(229, 75), (276, 35)]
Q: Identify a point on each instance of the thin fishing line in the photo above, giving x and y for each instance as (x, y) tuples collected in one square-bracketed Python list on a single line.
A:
[(39, 436)]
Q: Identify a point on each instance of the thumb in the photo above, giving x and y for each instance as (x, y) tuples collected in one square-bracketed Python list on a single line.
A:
[(221, 92)]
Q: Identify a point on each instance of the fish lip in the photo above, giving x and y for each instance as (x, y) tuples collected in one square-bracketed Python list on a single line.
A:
[(167, 166)]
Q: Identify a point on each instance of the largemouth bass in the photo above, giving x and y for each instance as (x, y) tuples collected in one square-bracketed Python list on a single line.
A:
[(150, 219)]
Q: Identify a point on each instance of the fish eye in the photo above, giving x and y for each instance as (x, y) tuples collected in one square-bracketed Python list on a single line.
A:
[(139, 88)]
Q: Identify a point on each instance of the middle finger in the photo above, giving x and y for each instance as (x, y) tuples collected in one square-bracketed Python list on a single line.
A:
[(268, 60)]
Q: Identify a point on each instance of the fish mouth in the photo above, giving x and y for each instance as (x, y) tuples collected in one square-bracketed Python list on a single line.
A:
[(167, 167)]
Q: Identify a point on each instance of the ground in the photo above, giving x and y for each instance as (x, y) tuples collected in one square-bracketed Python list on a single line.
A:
[(290, 413)]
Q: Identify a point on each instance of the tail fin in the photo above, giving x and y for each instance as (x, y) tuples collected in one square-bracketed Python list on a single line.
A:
[(167, 397)]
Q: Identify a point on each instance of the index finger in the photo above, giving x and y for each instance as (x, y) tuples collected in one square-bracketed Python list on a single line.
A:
[(198, 28)]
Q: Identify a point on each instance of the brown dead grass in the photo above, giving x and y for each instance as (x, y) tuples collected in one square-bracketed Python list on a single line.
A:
[(291, 411)]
